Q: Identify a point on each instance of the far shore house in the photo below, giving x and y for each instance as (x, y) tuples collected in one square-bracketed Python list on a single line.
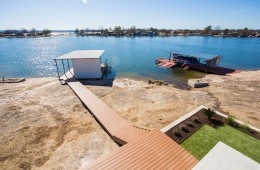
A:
[(86, 64)]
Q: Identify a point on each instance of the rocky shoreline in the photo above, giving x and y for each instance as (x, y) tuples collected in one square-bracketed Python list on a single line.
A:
[(43, 125)]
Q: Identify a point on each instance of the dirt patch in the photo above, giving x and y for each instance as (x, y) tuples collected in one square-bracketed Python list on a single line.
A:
[(25, 166)]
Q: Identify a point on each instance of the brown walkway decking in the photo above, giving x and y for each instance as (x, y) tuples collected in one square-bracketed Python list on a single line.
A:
[(115, 126), (154, 150), (142, 149)]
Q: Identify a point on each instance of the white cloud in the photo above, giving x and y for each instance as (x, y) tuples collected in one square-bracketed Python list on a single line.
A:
[(85, 1)]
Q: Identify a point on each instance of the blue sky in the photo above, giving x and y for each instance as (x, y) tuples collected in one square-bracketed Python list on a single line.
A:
[(170, 14)]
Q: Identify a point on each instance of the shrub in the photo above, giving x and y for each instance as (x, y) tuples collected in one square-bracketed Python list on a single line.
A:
[(245, 127), (196, 119), (231, 121), (183, 127), (210, 113), (176, 133), (190, 124)]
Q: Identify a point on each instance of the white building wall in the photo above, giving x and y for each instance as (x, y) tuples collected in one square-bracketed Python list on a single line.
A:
[(86, 68)]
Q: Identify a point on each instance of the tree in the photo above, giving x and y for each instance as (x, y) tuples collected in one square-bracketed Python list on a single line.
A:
[(104, 31), (165, 31), (33, 31), (208, 30), (186, 31), (217, 28), (24, 30), (210, 113), (46, 32), (81, 32), (77, 31), (11, 31), (117, 30), (151, 29), (225, 32), (132, 30), (155, 30), (245, 32)]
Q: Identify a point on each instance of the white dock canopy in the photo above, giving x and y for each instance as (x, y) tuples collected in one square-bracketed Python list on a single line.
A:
[(82, 54), (86, 64)]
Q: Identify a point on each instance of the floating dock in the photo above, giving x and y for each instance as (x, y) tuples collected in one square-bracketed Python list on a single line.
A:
[(213, 70), (207, 64)]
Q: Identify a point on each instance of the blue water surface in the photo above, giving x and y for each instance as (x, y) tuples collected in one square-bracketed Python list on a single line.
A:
[(128, 56)]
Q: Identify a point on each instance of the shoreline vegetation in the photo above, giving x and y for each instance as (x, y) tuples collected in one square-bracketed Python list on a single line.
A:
[(118, 31), (23, 33)]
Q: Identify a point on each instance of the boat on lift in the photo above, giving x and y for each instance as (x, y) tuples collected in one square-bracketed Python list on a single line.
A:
[(166, 63), (205, 63)]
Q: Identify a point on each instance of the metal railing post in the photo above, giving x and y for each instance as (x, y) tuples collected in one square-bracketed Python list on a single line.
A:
[(57, 68), (63, 68)]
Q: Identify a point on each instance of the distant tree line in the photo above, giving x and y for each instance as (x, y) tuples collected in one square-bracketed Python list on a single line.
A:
[(119, 31), (25, 33), (133, 31), (230, 32)]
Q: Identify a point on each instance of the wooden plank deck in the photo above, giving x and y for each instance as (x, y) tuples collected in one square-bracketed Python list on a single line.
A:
[(128, 134), (154, 150), (143, 149), (68, 75), (117, 127)]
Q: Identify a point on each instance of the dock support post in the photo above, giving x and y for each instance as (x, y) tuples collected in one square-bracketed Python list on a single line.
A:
[(57, 69), (69, 66), (63, 68)]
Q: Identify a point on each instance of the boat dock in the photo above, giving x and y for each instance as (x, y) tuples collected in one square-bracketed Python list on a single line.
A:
[(213, 70), (207, 64), (142, 148)]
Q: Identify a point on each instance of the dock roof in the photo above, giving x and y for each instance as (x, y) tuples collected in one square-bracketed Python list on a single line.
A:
[(201, 55), (82, 54)]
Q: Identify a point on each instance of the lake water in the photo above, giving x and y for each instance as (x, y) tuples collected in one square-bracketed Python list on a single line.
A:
[(129, 57)]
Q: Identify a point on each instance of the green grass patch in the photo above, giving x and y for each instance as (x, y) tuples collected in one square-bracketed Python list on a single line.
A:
[(202, 141)]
